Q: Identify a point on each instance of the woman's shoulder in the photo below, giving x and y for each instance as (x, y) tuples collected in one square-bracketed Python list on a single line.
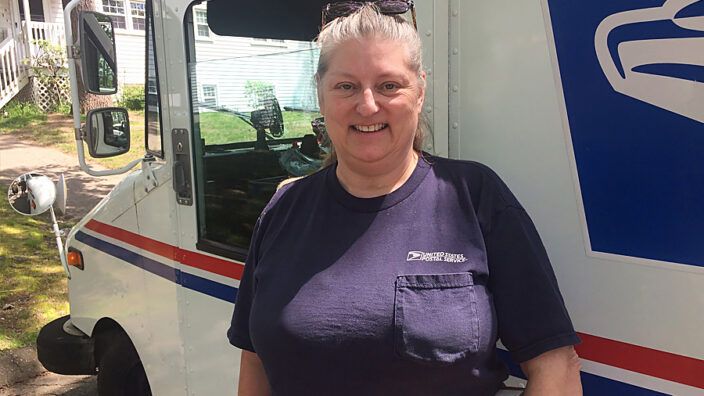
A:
[(294, 189), (478, 178), (463, 168)]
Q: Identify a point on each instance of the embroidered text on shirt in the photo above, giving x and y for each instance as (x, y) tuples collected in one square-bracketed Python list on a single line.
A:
[(436, 256)]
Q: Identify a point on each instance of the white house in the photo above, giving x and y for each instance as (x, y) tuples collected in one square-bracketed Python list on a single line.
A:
[(17, 31)]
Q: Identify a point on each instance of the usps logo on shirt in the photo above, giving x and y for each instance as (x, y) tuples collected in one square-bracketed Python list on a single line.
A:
[(415, 255), (632, 76)]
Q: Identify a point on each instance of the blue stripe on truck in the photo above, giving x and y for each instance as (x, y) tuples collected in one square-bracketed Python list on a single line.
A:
[(185, 279)]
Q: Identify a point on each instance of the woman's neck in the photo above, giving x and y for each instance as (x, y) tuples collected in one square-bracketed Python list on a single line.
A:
[(373, 182)]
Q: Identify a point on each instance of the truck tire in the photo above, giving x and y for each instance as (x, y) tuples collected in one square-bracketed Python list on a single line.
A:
[(120, 372)]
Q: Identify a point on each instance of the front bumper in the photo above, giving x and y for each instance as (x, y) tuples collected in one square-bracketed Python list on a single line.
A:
[(64, 353)]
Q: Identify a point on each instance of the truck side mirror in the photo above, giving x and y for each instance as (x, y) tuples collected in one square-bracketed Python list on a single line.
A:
[(98, 57), (107, 132), (31, 194)]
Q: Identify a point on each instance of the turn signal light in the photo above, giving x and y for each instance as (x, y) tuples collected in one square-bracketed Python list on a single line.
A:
[(74, 258)]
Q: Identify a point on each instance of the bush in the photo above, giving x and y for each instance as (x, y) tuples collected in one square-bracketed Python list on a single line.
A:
[(132, 97), (259, 92), (62, 107), (18, 115), (22, 109)]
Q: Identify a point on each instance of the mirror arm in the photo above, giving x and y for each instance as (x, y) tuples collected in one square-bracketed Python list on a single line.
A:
[(92, 172), (59, 243)]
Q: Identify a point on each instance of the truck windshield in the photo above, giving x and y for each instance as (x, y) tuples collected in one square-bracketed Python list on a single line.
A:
[(253, 100)]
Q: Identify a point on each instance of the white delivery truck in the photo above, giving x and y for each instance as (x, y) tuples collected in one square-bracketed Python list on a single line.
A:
[(593, 112)]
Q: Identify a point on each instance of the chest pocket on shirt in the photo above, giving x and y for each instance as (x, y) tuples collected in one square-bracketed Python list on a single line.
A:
[(435, 317)]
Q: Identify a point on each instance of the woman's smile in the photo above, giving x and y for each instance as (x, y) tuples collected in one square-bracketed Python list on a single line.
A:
[(370, 128)]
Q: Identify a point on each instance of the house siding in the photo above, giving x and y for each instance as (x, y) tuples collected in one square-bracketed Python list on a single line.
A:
[(230, 62), (130, 58)]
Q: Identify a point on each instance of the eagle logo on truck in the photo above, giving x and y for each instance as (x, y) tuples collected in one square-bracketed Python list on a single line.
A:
[(665, 65)]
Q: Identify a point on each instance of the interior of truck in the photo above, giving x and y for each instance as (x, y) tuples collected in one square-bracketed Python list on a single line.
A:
[(255, 114)]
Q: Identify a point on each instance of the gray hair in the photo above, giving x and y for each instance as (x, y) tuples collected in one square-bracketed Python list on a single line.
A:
[(365, 23)]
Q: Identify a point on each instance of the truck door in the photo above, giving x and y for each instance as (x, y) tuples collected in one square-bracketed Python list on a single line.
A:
[(252, 101)]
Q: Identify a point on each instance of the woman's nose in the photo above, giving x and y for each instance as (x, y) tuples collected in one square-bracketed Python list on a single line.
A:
[(367, 104)]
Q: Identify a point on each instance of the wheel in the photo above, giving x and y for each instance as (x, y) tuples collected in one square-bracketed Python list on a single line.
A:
[(120, 372)]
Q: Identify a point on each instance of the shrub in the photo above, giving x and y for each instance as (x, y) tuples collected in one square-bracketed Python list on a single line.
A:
[(20, 114), (22, 109), (63, 107), (132, 97), (258, 92)]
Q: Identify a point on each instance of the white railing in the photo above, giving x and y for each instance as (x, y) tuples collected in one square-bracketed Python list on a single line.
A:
[(14, 50), (13, 74), (53, 32)]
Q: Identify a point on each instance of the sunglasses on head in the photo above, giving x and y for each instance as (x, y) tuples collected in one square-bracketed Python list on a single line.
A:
[(386, 7)]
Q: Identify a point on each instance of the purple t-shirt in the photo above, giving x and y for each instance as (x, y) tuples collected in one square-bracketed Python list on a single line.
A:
[(400, 294)]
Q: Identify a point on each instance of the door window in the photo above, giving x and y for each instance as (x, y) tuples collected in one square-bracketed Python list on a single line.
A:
[(252, 110)]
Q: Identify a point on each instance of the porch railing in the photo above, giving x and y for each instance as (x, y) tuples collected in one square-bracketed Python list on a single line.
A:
[(13, 50), (13, 74), (53, 32)]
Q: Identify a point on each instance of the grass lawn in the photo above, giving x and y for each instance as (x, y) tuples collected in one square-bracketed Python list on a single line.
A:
[(221, 128), (32, 281), (56, 130)]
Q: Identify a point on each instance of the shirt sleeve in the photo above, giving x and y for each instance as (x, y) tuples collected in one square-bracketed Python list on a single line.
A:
[(532, 318), (238, 333)]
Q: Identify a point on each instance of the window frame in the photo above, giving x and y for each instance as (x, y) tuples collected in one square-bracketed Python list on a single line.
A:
[(215, 88), (134, 17), (113, 14), (149, 19), (197, 24)]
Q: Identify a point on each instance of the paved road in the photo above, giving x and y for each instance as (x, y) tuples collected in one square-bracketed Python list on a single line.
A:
[(84, 192)]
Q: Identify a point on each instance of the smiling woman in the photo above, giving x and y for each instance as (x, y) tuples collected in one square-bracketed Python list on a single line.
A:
[(371, 100), (391, 271)]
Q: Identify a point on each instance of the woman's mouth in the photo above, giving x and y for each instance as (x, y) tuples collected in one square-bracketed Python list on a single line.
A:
[(369, 128)]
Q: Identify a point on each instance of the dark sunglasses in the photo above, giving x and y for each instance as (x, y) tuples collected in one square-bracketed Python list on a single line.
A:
[(386, 7)]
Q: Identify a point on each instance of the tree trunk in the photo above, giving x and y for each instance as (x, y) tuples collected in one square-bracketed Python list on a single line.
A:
[(87, 101)]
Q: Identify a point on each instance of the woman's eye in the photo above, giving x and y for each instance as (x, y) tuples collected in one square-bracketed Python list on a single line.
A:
[(345, 87), (389, 86)]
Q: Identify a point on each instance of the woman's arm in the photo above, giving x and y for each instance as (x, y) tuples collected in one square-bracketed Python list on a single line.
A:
[(554, 372), (253, 381)]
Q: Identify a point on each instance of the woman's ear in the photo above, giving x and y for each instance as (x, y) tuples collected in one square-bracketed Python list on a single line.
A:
[(421, 91)]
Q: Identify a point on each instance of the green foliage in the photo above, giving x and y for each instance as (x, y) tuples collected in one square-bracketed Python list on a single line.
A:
[(49, 65), (62, 107), (132, 97), (258, 92), (18, 115)]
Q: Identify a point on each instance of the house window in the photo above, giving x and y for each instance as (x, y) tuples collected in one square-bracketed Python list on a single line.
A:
[(267, 41), (36, 10), (201, 23), (137, 12), (210, 95), (116, 10)]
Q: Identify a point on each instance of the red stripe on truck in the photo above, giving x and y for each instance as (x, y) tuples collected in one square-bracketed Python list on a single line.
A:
[(212, 264), (660, 364)]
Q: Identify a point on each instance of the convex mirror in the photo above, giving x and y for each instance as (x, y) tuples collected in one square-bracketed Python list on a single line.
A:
[(107, 132), (98, 62), (31, 194)]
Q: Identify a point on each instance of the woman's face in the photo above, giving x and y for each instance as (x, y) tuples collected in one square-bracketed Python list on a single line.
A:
[(371, 100)]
